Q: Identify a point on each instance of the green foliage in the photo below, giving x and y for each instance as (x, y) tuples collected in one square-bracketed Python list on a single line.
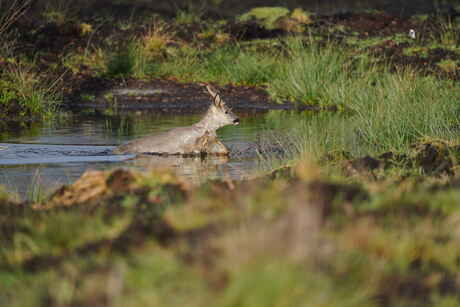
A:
[(24, 93), (236, 66), (389, 111), (122, 63), (224, 65), (129, 61), (279, 284), (308, 73), (416, 51)]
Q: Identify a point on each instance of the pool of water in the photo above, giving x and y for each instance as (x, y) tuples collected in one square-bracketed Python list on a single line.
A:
[(58, 153)]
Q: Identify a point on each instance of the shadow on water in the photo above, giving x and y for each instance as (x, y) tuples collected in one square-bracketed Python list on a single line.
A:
[(59, 153)]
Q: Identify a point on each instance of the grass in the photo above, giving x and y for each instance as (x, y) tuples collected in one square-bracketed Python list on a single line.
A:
[(274, 242), (138, 57), (448, 33), (25, 92), (385, 111), (228, 64), (11, 11), (155, 41), (404, 107), (308, 72)]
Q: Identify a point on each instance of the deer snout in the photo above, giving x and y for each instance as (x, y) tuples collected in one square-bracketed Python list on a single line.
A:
[(236, 121)]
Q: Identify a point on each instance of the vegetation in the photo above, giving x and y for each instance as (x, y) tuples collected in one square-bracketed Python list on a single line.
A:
[(358, 207), (299, 238), (22, 92)]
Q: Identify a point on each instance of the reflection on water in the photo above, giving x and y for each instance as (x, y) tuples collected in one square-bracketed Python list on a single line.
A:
[(196, 169), (59, 153)]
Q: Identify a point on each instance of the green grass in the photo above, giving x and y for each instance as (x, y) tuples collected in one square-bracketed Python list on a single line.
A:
[(311, 74), (228, 64), (24, 93), (128, 61), (281, 242), (385, 111)]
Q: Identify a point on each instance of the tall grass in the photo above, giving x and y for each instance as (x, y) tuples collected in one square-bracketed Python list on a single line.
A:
[(124, 61), (387, 110), (308, 72), (23, 89), (403, 107)]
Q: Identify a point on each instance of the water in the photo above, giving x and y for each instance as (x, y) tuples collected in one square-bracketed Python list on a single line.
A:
[(55, 154)]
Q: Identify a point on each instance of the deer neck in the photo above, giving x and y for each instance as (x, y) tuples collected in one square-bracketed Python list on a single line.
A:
[(208, 123)]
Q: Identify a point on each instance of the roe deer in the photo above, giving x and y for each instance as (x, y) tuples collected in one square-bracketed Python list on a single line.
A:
[(200, 138)]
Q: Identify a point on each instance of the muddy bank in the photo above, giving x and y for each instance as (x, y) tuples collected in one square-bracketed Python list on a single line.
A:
[(160, 95)]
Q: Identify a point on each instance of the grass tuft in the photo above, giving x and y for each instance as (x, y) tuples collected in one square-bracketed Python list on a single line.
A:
[(21, 88)]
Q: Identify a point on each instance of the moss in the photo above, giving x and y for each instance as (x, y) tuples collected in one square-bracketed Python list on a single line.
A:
[(267, 16), (278, 18)]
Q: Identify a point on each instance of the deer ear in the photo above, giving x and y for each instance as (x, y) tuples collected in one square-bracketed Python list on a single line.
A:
[(211, 91), (216, 100)]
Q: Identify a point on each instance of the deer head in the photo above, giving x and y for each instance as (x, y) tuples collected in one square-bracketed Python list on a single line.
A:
[(219, 114)]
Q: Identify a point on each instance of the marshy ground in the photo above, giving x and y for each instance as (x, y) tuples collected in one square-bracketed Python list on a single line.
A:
[(357, 204)]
